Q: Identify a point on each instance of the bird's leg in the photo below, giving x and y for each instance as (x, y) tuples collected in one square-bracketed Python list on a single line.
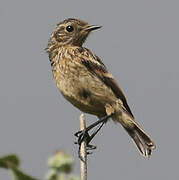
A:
[(88, 138), (103, 119), (84, 135)]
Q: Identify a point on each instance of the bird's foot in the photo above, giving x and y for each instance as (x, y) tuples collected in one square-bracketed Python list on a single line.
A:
[(84, 136)]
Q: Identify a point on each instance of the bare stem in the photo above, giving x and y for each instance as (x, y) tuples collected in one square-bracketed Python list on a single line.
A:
[(83, 151)]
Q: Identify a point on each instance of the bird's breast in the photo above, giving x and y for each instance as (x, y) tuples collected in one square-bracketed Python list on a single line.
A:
[(81, 87)]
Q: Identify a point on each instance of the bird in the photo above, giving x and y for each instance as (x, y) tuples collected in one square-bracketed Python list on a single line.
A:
[(85, 82)]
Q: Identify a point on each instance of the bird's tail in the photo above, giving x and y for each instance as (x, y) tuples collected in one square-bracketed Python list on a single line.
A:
[(140, 138)]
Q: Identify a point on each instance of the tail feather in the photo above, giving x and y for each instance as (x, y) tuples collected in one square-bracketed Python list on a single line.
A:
[(142, 140), (138, 135)]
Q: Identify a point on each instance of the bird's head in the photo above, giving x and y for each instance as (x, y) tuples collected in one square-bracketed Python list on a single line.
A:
[(71, 32)]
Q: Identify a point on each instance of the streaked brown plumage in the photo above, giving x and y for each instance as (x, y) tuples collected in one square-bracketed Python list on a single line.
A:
[(85, 81)]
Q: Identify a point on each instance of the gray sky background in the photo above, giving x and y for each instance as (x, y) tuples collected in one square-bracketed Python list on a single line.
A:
[(139, 42)]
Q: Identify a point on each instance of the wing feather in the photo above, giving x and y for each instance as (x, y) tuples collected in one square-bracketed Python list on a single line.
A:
[(95, 66)]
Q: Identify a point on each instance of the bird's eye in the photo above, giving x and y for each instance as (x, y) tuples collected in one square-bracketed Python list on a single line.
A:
[(69, 28)]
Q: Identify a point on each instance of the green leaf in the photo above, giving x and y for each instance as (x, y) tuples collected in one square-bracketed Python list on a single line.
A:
[(51, 174), (61, 161), (62, 176), (19, 175), (9, 161)]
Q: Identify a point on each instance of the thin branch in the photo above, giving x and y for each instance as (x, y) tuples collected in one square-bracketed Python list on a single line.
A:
[(83, 151)]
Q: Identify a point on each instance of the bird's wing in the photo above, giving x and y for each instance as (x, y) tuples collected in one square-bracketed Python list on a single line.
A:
[(95, 66)]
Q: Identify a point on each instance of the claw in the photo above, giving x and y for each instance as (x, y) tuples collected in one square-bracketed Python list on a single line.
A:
[(82, 135), (77, 133), (89, 153), (91, 147)]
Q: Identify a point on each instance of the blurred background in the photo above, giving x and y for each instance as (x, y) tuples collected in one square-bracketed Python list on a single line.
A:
[(139, 43)]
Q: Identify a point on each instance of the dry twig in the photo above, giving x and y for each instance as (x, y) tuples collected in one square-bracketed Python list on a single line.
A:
[(83, 152)]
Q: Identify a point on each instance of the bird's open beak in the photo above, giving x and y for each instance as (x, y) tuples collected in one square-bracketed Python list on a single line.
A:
[(92, 28)]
